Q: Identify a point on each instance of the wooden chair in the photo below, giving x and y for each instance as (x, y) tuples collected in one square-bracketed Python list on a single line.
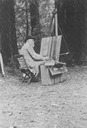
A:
[(26, 74)]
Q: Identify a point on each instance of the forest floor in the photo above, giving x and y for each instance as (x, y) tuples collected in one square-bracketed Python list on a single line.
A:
[(63, 105)]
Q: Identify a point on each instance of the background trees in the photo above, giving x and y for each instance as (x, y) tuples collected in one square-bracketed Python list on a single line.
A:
[(33, 19), (20, 18), (73, 22)]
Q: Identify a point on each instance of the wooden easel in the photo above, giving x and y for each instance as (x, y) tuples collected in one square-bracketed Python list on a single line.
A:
[(56, 24), (50, 46)]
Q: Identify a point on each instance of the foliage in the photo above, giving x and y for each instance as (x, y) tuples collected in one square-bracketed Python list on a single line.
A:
[(46, 9), (20, 13), (45, 14)]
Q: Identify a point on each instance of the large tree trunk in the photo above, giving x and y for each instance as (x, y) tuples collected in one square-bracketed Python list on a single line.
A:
[(35, 23), (27, 23), (84, 47), (8, 31), (71, 21)]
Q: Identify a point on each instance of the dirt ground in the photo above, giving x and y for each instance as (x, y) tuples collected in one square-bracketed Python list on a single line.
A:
[(63, 105)]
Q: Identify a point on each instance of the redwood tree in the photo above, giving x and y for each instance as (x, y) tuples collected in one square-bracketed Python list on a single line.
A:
[(35, 23), (71, 15), (8, 31), (84, 47)]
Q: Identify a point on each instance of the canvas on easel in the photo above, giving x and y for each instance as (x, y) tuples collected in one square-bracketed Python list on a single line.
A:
[(50, 46)]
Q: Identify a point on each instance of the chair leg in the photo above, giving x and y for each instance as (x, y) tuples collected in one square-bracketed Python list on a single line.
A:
[(22, 78), (30, 77), (26, 77), (29, 81)]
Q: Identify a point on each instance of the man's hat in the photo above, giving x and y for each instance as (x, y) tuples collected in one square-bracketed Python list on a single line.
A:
[(30, 37)]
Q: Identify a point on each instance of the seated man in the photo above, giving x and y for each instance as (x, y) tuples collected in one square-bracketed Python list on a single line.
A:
[(32, 59)]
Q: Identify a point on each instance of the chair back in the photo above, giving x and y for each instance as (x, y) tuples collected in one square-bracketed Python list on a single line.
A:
[(22, 62)]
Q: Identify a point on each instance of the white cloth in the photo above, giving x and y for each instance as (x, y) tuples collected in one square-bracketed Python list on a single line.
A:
[(32, 59)]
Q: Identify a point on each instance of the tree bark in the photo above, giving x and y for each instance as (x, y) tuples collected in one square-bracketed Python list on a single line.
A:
[(35, 23), (71, 22), (8, 31), (84, 46), (27, 24)]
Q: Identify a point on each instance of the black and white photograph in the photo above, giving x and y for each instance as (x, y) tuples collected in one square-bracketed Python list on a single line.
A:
[(43, 63)]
